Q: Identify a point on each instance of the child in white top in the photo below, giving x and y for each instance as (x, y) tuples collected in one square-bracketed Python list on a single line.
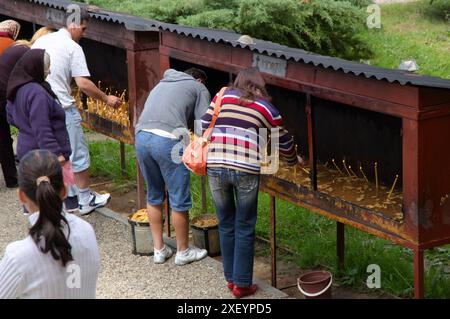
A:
[(59, 258)]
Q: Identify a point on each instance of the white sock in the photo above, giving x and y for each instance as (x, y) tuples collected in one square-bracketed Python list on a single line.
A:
[(159, 250), (84, 195), (184, 252)]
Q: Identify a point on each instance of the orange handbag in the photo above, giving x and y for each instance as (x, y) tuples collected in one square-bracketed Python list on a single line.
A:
[(194, 156)]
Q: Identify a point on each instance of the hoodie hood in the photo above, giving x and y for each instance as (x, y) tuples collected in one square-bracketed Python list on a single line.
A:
[(172, 75)]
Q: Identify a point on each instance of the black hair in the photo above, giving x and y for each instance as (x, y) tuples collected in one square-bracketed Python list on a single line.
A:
[(41, 179), (197, 74), (83, 15)]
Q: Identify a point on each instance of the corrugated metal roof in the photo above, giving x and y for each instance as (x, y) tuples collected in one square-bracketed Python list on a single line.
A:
[(263, 47)]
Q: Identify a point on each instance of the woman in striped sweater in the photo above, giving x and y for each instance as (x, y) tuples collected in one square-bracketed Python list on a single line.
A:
[(233, 166)]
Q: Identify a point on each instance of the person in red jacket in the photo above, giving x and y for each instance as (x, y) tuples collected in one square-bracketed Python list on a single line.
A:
[(9, 30)]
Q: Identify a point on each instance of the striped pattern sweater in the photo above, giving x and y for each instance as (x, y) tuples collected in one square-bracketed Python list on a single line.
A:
[(237, 140)]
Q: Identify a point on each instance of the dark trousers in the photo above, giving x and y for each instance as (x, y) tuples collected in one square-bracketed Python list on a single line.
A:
[(6, 149)]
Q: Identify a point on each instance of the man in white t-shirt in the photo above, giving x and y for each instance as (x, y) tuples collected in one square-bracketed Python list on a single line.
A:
[(69, 62)]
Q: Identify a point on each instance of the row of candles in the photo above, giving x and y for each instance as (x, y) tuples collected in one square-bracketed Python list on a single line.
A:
[(118, 115), (349, 171)]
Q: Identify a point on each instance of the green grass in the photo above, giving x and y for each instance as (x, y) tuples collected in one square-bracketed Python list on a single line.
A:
[(411, 31), (105, 161), (311, 236)]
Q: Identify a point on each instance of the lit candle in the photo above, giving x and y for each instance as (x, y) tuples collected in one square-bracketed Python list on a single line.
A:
[(337, 167), (362, 172), (351, 171), (393, 185), (345, 166), (123, 95), (376, 176)]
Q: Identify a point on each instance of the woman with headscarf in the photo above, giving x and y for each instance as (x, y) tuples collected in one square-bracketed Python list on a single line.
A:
[(34, 109), (7, 62), (9, 30)]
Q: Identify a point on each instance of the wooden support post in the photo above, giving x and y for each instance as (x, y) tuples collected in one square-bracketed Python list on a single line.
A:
[(164, 63), (311, 142), (340, 245), (273, 241), (418, 273), (142, 202), (204, 207), (132, 62), (122, 159)]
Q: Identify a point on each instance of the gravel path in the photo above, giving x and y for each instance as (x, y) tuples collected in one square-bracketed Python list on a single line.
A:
[(124, 275), (13, 224)]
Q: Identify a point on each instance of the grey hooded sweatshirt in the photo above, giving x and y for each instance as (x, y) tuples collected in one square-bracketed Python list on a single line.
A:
[(172, 102)]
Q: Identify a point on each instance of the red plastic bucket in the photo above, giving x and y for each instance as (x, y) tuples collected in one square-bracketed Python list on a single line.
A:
[(315, 284)]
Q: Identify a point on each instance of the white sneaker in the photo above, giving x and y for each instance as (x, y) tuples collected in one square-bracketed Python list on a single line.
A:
[(95, 201), (190, 255), (160, 256)]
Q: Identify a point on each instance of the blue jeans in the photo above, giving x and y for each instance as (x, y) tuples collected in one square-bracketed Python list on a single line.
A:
[(154, 154), (235, 195)]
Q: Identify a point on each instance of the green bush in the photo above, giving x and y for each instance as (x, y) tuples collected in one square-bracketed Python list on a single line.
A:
[(221, 4), (162, 10), (215, 19), (171, 10), (358, 3), (326, 26), (440, 8)]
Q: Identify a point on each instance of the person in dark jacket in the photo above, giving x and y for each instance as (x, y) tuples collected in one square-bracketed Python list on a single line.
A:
[(8, 60), (34, 109)]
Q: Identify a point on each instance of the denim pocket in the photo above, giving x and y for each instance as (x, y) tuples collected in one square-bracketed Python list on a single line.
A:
[(141, 140), (214, 172), (247, 182), (214, 179), (73, 117), (215, 183)]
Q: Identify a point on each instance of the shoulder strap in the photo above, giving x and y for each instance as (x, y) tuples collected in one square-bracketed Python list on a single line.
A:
[(217, 106)]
